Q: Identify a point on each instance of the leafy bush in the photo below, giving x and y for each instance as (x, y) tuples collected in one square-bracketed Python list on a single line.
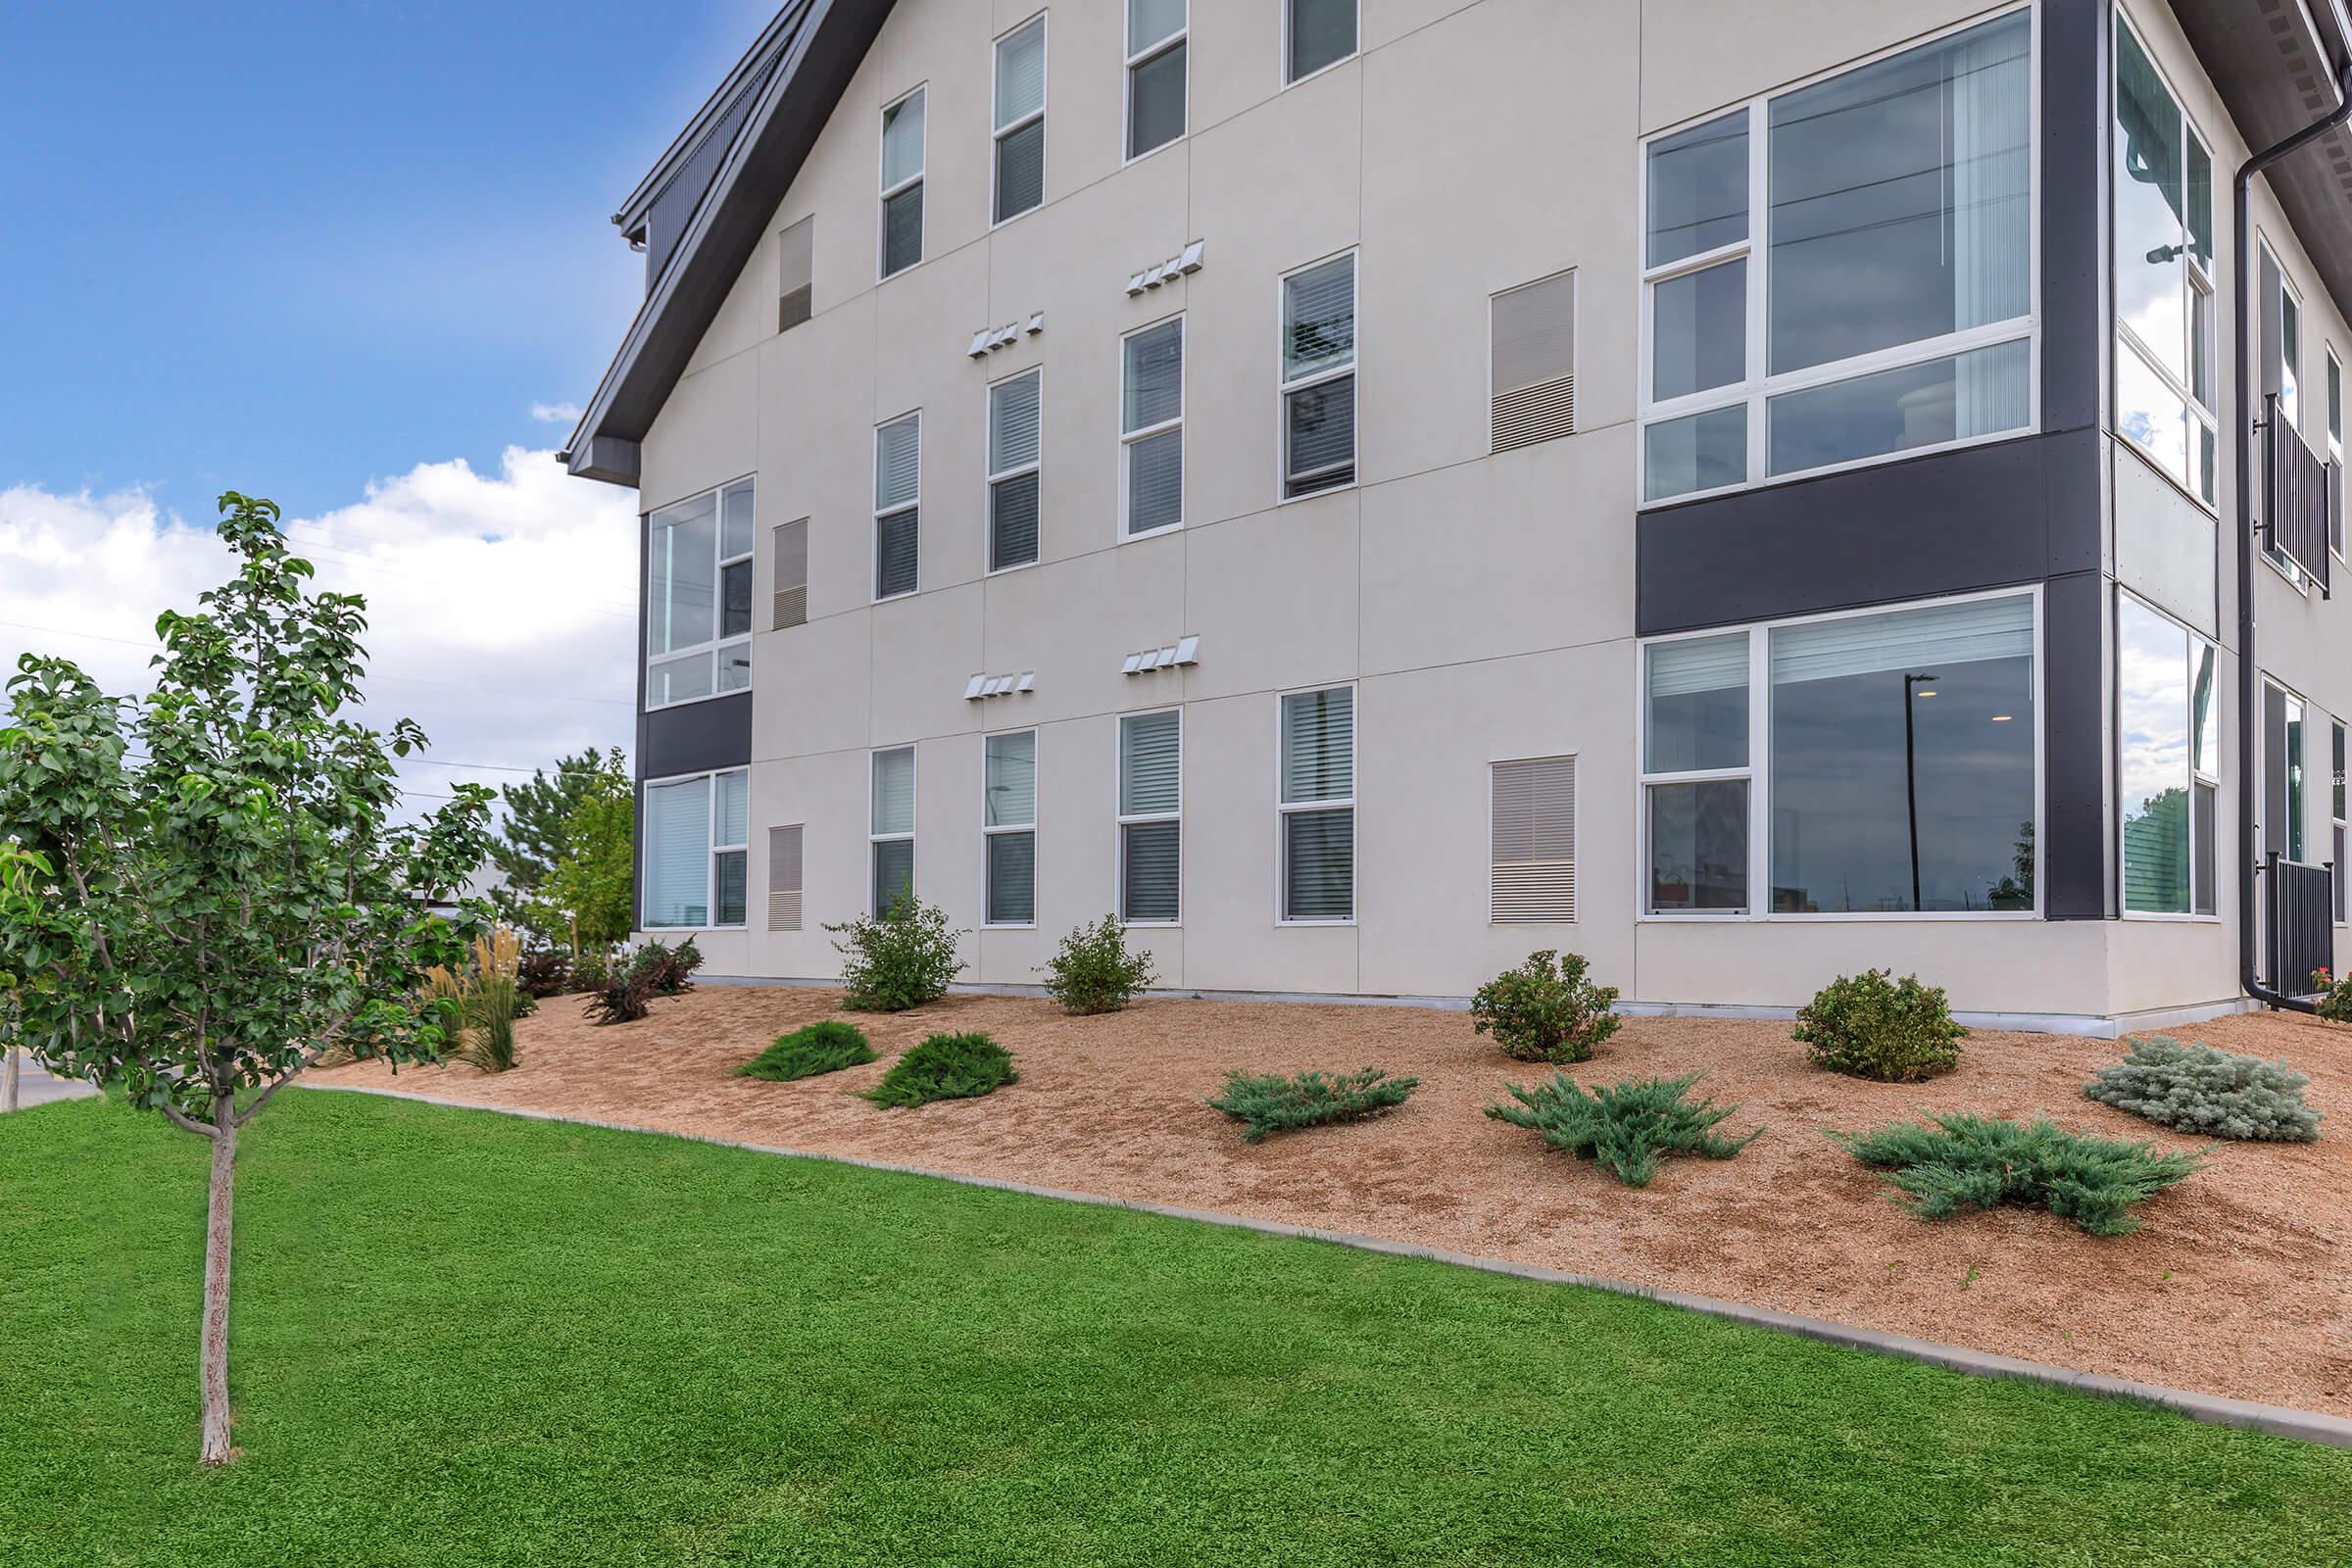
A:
[(826, 1046), (1964, 1161), (2200, 1089), (945, 1068), (544, 974), (1626, 1126), (1094, 972), (668, 971), (589, 972), (1545, 1010), (1263, 1103), (625, 996), (903, 959), (2334, 996), (1869, 1025)]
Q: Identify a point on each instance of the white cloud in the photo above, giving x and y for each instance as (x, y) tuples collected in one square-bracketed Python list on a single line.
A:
[(556, 413), (501, 608)]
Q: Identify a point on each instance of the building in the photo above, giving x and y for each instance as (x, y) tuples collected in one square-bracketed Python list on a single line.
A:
[(1746, 493)]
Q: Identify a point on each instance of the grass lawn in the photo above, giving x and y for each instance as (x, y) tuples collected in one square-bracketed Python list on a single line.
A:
[(466, 1339)]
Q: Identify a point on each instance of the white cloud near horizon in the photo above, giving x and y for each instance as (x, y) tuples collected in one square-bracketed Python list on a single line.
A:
[(501, 606), (556, 413)]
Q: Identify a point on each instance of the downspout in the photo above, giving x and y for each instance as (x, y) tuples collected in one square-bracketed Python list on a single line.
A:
[(2242, 443)]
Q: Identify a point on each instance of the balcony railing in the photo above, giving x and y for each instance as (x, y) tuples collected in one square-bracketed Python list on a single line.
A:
[(2299, 496), (2302, 930)]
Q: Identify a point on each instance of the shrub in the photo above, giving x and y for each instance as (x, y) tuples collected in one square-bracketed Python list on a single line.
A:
[(1869, 1025), (1545, 1010), (668, 971), (826, 1046), (480, 1002), (2334, 1002), (2200, 1089), (1964, 1161), (901, 960), (945, 1068), (1263, 1103), (1626, 1126), (588, 973), (625, 996), (544, 974), (1094, 972)]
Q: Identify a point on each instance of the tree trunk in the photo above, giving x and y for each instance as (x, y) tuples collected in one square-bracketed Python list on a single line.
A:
[(8, 1081), (214, 1359)]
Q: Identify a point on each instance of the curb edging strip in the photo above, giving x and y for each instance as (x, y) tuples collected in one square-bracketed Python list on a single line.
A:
[(2213, 1409)]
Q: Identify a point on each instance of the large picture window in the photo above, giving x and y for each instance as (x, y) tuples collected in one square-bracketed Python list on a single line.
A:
[(697, 851), (1886, 305), (697, 600), (2164, 370), (2164, 764)]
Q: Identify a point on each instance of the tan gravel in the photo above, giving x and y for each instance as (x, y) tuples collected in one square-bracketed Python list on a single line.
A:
[(2237, 1283)]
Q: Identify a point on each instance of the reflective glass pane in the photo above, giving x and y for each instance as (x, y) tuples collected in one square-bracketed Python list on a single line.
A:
[(1698, 845), (894, 791), (677, 853), (1321, 32), (1010, 779), (902, 230), (1697, 716), (1320, 434), (2152, 759), (902, 140), (1318, 865), (681, 544), (1150, 855), (895, 538), (1150, 21), (1011, 878), (1153, 377), (735, 524), (1156, 482), (735, 666), (893, 873), (2151, 414), (1698, 331), (1013, 521), (733, 871), (735, 600), (2150, 238), (1698, 189), (1020, 170), (1021, 73), (1155, 102), (1697, 451), (1982, 392), (678, 680), (1319, 319)]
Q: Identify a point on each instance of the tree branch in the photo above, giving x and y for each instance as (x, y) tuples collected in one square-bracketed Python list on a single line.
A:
[(183, 1119)]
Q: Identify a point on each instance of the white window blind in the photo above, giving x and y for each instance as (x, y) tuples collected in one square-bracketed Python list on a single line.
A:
[(898, 487), (1014, 412), (784, 878), (1009, 818), (1318, 746), (1318, 368), (792, 574), (891, 827), (795, 273), (1150, 826), (1697, 664), (1534, 353), (677, 853), (1912, 639), (1534, 841), (1152, 428), (1151, 763), (1020, 120), (1318, 800)]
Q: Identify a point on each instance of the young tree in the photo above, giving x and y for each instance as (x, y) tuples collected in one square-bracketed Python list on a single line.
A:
[(204, 891), (534, 838), (592, 880)]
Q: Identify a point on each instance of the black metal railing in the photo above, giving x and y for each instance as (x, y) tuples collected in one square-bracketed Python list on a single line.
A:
[(2302, 923), (2299, 496)]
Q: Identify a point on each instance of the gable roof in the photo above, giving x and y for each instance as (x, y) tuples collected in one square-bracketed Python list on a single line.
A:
[(702, 211)]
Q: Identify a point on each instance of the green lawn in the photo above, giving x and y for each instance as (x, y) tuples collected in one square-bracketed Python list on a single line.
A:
[(465, 1338)]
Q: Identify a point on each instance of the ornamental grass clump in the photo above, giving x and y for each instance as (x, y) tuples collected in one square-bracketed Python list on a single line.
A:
[(945, 1068), (1870, 1025), (1094, 972), (2200, 1089), (1547, 1009), (1264, 1103), (1963, 1161), (1626, 1126), (901, 960), (826, 1046)]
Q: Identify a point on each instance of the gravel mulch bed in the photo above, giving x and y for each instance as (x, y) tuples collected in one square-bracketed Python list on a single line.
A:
[(2240, 1282)]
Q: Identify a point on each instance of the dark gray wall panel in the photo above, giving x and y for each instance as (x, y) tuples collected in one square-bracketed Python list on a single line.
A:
[(696, 737), (2076, 845)]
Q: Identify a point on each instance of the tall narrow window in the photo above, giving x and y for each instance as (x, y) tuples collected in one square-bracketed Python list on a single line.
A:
[(889, 828), (796, 262), (1014, 410), (1319, 378), (697, 851), (2164, 314), (2291, 355), (1150, 816), (791, 598), (897, 495), (1008, 826), (1531, 362), (1316, 33), (2335, 454), (1318, 804), (2205, 774), (1020, 137), (1531, 824), (2163, 692), (698, 602), (1696, 774), (1155, 40), (2337, 813), (1152, 428), (784, 878), (2282, 800), (903, 158)]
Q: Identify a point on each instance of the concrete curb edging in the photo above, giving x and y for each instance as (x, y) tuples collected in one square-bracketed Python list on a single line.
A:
[(2215, 1409)]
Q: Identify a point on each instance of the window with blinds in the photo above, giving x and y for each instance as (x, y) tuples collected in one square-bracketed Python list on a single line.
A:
[(1020, 134), (889, 828), (1015, 451), (791, 554), (1318, 805), (1150, 816), (1156, 73), (1316, 33), (697, 600), (897, 495), (697, 851), (1533, 349), (1008, 826), (796, 262), (1318, 379), (1532, 828), (903, 158), (1152, 428), (784, 878)]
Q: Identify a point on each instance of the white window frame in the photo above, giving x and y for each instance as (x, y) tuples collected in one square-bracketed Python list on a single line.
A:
[(1285, 387), (1760, 777), (996, 140), (992, 478), (2279, 561), (1285, 810), (2331, 394), (716, 647), (1122, 820), (2197, 643), (712, 853), (914, 797), (1129, 438), (1755, 389), (988, 832), (923, 245), (1136, 61), (1289, 16), (873, 565), (2340, 824), (2296, 827)]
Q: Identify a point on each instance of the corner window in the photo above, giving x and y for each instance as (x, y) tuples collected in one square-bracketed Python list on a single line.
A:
[(889, 829), (2165, 762), (2282, 786), (1150, 816), (1014, 453), (903, 158), (1155, 82), (1318, 805), (1152, 428), (697, 851), (1764, 358), (1008, 826), (1020, 135), (897, 508), (2164, 300), (698, 598), (1316, 33), (1318, 379)]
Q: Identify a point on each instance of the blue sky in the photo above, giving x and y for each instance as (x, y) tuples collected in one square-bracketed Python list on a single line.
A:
[(288, 248)]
